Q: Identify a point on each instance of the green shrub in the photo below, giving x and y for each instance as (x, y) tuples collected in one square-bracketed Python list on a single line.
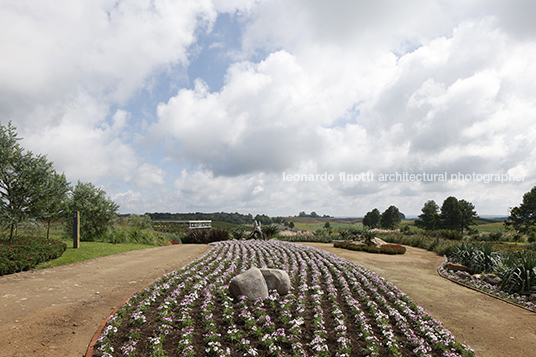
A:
[(385, 249), (406, 230), (130, 236), (321, 236), (238, 233), (164, 239), (349, 233), (315, 238), (26, 252), (445, 247), (450, 234), (496, 236), (473, 231), (140, 222), (206, 236)]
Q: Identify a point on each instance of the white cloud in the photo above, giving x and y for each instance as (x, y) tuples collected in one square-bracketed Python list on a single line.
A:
[(341, 86), (107, 48), (421, 111), (64, 64)]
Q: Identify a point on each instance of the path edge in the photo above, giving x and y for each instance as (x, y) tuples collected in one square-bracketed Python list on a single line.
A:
[(482, 292), (91, 346)]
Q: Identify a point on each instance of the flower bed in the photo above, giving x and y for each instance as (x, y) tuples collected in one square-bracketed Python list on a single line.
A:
[(384, 249), (334, 308), (26, 252), (517, 299)]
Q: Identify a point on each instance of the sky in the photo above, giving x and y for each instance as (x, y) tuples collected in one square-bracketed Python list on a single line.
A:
[(277, 106)]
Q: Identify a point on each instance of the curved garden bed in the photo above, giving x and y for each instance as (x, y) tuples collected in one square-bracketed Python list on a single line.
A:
[(335, 308), (489, 289), (24, 253), (383, 249)]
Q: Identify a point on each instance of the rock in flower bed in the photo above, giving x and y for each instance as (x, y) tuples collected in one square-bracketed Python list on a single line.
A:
[(518, 299), (26, 252), (385, 249), (333, 308)]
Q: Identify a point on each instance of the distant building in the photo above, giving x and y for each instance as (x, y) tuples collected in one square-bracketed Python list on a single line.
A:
[(190, 224)]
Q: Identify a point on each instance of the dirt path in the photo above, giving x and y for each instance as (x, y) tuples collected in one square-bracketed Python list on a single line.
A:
[(491, 327), (55, 312)]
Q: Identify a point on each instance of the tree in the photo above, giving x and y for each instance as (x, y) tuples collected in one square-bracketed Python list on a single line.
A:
[(140, 222), (390, 218), (372, 218), (451, 214), (97, 212), (523, 218), (429, 219), (263, 219), (52, 207), (23, 181), (467, 214), (291, 225), (456, 215)]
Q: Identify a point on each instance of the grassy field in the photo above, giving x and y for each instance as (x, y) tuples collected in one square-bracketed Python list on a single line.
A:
[(229, 226), (315, 226), (90, 250), (312, 224), (491, 227)]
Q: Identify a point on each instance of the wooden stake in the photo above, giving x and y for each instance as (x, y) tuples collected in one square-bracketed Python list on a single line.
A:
[(76, 230)]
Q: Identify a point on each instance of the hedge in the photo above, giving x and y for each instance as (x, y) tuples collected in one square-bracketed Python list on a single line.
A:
[(26, 252)]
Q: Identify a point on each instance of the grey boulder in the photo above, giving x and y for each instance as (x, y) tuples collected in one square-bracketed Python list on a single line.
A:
[(455, 267), (250, 283), (491, 279), (277, 279)]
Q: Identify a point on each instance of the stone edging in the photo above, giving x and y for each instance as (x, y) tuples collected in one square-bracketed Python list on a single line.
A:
[(481, 291)]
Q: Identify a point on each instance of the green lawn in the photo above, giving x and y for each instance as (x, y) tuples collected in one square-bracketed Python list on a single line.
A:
[(490, 227), (90, 250)]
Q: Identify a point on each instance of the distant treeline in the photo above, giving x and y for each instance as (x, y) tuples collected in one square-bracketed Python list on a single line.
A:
[(236, 218)]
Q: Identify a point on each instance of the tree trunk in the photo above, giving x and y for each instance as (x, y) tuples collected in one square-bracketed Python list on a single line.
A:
[(11, 233)]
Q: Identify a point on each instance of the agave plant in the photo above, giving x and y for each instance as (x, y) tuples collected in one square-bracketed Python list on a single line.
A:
[(368, 236), (518, 272), (485, 259), (270, 230), (479, 258)]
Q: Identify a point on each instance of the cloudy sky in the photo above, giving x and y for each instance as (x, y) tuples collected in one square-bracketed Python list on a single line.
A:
[(268, 106)]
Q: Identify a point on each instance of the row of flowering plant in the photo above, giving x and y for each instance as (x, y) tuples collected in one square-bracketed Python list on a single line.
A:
[(26, 252), (334, 308)]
